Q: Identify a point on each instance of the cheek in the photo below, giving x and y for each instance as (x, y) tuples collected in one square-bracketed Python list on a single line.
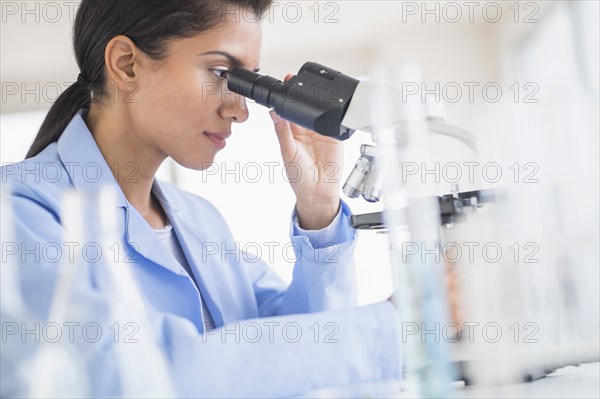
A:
[(165, 93), (177, 104)]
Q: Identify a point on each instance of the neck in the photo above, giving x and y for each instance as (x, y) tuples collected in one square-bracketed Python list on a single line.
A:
[(132, 161)]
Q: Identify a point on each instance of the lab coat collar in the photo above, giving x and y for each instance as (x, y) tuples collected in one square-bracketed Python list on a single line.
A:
[(144, 241), (89, 171), (141, 237), (83, 160), (168, 205), (190, 238)]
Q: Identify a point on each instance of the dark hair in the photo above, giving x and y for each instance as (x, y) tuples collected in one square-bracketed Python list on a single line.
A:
[(150, 24)]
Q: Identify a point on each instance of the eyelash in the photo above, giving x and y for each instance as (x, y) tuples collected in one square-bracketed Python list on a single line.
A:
[(225, 71)]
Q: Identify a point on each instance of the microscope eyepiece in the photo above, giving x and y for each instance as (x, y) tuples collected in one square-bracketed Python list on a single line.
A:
[(317, 98), (263, 89)]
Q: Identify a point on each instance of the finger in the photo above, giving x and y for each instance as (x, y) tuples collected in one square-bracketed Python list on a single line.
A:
[(284, 132), (284, 135)]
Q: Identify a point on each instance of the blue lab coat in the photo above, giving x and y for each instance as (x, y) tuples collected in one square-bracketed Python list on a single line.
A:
[(293, 356)]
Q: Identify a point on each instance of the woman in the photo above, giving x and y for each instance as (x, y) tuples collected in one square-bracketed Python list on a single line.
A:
[(153, 85)]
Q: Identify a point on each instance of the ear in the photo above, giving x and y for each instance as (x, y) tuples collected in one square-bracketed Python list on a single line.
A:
[(120, 56)]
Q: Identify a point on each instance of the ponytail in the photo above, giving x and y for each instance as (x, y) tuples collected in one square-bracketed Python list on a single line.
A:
[(77, 96), (150, 24)]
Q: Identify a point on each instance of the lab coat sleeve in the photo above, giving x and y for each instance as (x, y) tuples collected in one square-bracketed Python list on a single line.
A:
[(336, 233), (38, 249), (287, 355), (324, 275), (36, 231)]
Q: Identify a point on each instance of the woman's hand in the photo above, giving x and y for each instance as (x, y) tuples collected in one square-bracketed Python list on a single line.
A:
[(313, 166)]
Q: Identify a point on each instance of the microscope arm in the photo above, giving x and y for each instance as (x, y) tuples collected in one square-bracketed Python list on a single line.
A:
[(358, 116)]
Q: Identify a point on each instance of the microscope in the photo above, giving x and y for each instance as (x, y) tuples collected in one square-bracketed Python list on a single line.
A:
[(336, 105)]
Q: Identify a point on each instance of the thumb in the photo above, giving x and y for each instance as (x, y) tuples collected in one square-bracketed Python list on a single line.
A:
[(284, 135)]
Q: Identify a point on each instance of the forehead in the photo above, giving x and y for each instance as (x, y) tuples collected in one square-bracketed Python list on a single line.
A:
[(242, 39)]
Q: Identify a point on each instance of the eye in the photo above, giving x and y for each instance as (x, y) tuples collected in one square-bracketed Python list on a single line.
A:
[(221, 73)]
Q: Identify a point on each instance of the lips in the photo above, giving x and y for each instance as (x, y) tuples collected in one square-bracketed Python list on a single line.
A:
[(218, 138)]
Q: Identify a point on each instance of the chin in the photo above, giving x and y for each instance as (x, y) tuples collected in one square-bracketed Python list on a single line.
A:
[(195, 163)]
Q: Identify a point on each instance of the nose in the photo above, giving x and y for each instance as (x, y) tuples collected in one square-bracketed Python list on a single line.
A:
[(234, 108)]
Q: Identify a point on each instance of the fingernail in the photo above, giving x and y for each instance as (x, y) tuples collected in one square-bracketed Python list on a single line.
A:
[(274, 117)]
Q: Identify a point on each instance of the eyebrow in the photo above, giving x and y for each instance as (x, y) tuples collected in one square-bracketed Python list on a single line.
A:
[(233, 59)]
